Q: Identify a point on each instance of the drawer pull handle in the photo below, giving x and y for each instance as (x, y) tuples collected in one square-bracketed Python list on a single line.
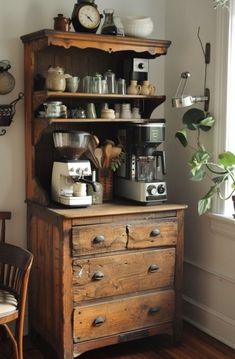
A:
[(98, 239), (154, 310), (98, 275), (98, 321), (155, 232), (153, 268)]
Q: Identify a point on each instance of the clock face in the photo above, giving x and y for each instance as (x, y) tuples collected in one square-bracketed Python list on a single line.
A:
[(89, 17)]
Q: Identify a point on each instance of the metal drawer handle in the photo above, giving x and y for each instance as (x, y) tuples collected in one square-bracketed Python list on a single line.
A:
[(98, 275), (153, 268), (155, 232), (98, 239), (98, 321), (154, 310)]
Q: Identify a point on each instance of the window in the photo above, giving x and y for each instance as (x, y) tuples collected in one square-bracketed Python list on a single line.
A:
[(225, 91)]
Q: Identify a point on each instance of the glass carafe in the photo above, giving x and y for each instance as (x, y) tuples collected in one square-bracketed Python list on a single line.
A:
[(145, 168), (109, 27)]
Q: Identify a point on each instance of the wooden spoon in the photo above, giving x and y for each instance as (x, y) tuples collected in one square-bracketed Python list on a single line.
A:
[(99, 155), (115, 152), (107, 150)]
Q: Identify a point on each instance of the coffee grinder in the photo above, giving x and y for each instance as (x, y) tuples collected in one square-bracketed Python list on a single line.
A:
[(70, 174), (141, 175)]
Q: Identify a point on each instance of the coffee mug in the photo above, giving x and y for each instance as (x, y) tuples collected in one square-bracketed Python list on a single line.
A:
[(79, 189), (72, 84)]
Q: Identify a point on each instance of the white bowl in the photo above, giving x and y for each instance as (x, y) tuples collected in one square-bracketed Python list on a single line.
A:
[(137, 26)]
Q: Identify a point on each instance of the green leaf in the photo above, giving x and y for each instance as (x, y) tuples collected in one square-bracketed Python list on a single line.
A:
[(182, 137), (226, 159), (198, 175), (203, 205), (206, 123), (219, 179), (198, 161), (193, 117)]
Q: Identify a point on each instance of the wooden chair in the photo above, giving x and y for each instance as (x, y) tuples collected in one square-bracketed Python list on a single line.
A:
[(3, 216), (15, 265)]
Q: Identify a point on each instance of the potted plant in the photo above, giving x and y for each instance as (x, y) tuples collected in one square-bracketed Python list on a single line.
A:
[(221, 3), (202, 164)]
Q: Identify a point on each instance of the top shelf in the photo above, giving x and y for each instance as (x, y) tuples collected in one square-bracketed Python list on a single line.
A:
[(146, 47)]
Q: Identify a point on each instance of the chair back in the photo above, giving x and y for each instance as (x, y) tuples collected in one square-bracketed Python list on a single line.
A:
[(3, 217), (15, 264)]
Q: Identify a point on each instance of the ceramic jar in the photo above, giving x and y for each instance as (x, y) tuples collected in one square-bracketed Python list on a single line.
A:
[(108, 113), (55, 80), (133, 88), (125, 110), (147, 88)]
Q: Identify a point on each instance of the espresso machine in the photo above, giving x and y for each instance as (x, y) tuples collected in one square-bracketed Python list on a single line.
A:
[(71, 174), (141, 175)]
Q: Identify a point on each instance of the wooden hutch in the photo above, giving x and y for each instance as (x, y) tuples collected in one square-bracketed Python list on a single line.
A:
[(108, 273)]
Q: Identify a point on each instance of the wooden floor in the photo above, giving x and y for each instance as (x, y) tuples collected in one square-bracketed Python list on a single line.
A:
[(195, 345)]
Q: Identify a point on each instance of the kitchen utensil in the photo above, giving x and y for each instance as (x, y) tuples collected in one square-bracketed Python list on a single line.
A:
[(90, 152), (107, 150), (115, 152), (99, 155)]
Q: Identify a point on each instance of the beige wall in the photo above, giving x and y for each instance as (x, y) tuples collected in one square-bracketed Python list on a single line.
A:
[(209, 279)]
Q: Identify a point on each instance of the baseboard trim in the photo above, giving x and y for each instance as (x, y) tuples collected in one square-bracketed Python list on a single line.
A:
[(209, 332), (209, 270), (212, 318)]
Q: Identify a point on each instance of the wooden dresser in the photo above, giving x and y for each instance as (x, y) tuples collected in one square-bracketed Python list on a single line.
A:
[(109, 273), (105, 274)]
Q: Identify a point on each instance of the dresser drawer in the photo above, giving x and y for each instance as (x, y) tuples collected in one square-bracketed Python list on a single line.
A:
[(152, 234), (98, 238), (122, 273), (118, 316)]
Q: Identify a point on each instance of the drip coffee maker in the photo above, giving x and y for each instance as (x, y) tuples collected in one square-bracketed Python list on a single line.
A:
[(141, 174), (70, 174)]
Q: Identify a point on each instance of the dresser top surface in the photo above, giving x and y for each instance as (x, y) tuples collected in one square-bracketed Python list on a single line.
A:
[(112, 209)]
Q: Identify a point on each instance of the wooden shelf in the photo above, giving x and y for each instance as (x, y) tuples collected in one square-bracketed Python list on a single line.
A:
[(87, 120), (58, 94), (146, 47)]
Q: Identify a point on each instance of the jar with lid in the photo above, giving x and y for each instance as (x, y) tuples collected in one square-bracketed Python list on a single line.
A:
[(109, 27)]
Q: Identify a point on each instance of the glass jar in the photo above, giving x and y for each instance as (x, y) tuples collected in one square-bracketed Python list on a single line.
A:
[(110, 77), (109, 27)]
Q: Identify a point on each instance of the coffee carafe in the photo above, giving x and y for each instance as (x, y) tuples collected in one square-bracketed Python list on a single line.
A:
[(141, 175)]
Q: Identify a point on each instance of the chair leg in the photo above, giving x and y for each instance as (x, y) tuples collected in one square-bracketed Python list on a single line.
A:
[(13, 340)]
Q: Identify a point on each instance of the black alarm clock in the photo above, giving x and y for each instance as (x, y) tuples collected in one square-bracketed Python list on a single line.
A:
[(85, 16)]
